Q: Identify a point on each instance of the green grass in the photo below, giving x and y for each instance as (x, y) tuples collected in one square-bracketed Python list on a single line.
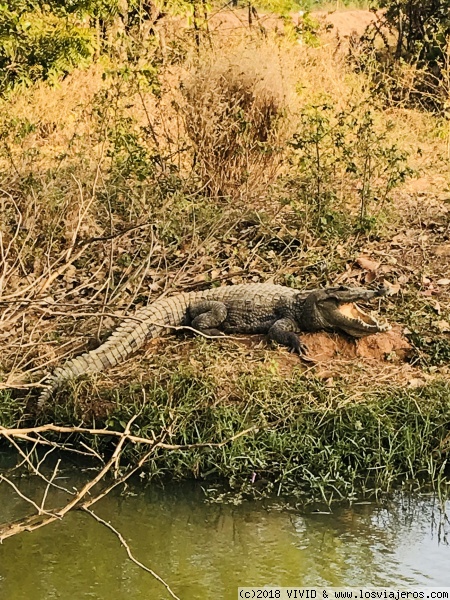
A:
[(309, 436)]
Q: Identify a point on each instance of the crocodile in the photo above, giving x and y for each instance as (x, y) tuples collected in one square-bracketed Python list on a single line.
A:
[(279, 311)]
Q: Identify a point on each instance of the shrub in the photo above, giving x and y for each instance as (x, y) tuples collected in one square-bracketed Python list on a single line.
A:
[(347, 166), (234, 108), (412, 61)]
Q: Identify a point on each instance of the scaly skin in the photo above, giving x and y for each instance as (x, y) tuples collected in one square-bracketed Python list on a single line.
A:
[(254, 308)]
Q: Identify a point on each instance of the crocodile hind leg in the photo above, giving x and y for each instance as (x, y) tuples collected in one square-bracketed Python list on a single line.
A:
[(208, 316)]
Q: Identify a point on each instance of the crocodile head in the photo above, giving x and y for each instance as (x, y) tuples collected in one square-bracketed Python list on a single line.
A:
[(335, 309)]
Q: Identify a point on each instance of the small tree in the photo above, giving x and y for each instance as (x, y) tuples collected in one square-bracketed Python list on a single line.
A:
[(421, 27)]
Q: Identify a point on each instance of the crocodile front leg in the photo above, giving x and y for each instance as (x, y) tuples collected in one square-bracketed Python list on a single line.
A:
[(283, 332), (207, 316)]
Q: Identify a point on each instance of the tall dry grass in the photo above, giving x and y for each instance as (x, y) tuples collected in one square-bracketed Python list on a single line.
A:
[(236, 106)]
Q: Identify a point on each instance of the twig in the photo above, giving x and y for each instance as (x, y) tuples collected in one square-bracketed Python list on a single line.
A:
[(36, 521), (85, 490), (128, 551), (40, 510), (55, 471), (26, 459)]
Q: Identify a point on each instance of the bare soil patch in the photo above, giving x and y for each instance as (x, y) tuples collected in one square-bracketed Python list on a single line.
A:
[(346, 22), (390, 345), (343, 22)]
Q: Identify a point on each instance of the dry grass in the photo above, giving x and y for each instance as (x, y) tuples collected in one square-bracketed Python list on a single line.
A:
[(114, 190), (236, 103)]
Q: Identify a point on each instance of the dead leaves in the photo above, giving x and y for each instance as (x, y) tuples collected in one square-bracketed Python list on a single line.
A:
[(365, 263), (370, 267), (433, 288), (394, 288), (442, 326), (403, 261), (366, 270), (442, 250)]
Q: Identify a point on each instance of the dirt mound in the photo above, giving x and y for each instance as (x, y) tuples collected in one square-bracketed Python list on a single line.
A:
[(390, 345), (375, 359)]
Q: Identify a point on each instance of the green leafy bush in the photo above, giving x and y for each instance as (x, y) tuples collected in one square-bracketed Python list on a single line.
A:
[(37, 43), (406, 51), (345, 163)]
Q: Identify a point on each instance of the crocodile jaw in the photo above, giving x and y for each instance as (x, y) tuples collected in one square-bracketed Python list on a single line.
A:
[(356, 322)]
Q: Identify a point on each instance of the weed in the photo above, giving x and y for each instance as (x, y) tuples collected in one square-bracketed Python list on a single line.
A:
[(431, 352), (233, 113), (343, 156), (12, 410)]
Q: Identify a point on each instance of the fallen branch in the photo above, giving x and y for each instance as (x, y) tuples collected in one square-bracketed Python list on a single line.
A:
[(26, 433), (80, 500)]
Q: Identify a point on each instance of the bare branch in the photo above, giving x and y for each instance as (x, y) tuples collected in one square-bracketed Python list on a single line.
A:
[(128, 551), (26, 433), (40, 510)]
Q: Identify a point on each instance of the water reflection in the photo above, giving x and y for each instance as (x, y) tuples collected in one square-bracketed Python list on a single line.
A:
[(207, 551)]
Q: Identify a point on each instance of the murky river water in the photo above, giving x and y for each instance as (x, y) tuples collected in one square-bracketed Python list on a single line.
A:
[(207, 550)]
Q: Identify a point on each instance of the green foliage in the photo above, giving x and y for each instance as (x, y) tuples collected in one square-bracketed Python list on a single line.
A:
[(40, 45), (36, 43), (304, 28), (430, 352), (45, 41), (12, 410), (344, 155), (132, 148), (421, 27), (283, 7)]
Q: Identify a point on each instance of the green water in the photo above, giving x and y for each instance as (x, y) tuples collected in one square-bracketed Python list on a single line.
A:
[(207, 550)]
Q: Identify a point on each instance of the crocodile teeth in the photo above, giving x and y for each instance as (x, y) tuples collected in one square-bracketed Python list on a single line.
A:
[(354, 313)]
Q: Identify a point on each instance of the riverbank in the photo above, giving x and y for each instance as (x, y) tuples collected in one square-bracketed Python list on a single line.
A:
[(229, 413)]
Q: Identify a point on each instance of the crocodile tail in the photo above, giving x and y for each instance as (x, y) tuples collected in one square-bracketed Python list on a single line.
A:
[(130, 335)]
